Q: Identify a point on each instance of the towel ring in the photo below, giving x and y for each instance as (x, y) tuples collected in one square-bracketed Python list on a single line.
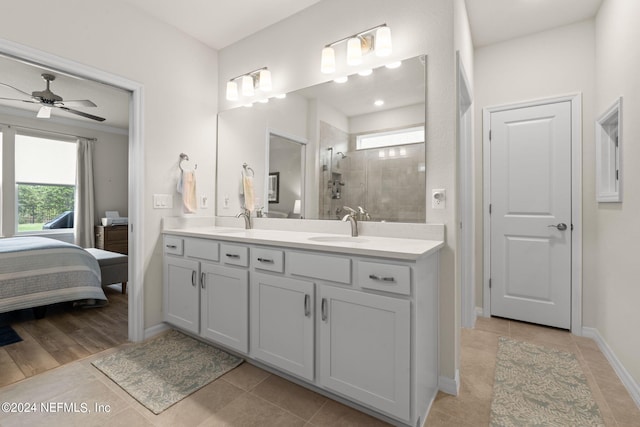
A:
[(247, 169), (185, 158)]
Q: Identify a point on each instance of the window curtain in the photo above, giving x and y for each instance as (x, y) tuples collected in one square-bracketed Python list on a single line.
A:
[(84, 203)]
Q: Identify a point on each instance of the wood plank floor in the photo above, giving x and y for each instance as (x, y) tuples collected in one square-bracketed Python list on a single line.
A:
[(63, 336)]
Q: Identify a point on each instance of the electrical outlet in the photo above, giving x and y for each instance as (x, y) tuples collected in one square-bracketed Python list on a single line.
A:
[(204, 201), (438, 198)]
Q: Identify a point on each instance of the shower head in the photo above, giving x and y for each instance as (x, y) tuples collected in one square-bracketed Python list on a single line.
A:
[(342, 154)]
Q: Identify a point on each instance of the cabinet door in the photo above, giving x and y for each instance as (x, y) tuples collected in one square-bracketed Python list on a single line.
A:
[(225, 305), (282, 326), (365, 348), (181, 293)]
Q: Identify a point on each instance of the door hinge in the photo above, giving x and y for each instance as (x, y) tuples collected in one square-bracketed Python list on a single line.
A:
[(489, 134), (489, 283), (489, 208), (617, 175), (460, 225), (571, 227), (616, 140)]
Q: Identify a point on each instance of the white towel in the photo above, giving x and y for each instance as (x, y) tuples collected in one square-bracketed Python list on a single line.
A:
[(249, 198), (187, 187)]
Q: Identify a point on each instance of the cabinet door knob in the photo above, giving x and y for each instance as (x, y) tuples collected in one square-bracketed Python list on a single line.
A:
[(307, 305), (202, 279), (323, 309), (193, 277)]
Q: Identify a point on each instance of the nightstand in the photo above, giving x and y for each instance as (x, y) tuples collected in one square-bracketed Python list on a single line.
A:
[(113, 238)]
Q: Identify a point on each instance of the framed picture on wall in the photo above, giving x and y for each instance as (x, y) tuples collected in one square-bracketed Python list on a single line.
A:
[(274, 187)]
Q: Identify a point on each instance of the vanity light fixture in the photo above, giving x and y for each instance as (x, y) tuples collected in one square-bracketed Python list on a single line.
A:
[(260, 79), (376, 39)]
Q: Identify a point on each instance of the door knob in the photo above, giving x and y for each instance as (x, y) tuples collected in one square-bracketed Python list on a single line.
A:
[(562, 226)]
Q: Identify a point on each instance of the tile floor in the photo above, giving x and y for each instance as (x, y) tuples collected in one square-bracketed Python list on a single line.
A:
[(249, 396)]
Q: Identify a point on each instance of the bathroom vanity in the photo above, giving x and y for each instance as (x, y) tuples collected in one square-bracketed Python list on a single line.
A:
[(352, 318)]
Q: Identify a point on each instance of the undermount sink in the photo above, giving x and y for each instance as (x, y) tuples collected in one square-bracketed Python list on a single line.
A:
[(338, 239)]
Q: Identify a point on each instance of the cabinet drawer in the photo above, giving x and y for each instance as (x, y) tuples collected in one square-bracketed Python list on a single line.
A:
[(234, 255), (324, 267), (202, 249), (117, 234), (385, 277), (173, 245), (267, 259)]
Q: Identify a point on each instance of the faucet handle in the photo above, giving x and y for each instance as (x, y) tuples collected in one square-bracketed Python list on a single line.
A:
[(348, 209)]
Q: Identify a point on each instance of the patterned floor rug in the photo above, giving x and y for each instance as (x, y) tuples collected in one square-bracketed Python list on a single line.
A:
[(537, 386), (162, 371)]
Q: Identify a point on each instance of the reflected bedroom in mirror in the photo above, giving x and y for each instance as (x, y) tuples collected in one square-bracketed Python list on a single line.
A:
[(358, 143)]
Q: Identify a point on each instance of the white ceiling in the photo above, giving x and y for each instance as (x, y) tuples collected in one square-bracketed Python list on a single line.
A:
[(219, 23), (493, 21)]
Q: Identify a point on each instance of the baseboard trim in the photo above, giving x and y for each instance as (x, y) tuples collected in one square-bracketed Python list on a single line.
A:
[(155, 330), (479, 312), (450, 385), (632, 386)]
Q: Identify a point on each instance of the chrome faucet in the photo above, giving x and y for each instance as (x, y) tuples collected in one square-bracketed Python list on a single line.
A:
[(246, 213), (352, 218), (363, 214)]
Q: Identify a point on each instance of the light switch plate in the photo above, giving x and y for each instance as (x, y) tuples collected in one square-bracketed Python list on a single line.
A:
[(204, 201), (162, 201)]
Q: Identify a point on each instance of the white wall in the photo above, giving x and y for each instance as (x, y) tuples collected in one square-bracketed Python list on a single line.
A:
[(180, 91), (291, 49), (547, 64), (612, 268)]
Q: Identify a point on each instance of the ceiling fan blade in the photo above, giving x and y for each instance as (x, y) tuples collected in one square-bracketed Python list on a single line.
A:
[(16, 89), (77, 103), (80, 113), (20, 100), (44, 112)]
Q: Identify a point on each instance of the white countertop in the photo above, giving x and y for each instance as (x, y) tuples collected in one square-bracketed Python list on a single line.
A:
[(387, 247)]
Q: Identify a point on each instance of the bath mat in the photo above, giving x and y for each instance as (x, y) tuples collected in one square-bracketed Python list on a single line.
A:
[(162, 371), (8, 336), (538, 386)]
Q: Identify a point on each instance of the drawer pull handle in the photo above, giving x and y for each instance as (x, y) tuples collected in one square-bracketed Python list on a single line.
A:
[(232, 255), (202, 279), (382, 279), (172, 246), (307, 305), (323, 309), (193, 277), (266, 260)]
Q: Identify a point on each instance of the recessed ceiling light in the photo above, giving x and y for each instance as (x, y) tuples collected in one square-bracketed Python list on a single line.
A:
[(365, 73), (378, 102), (394, 64), (341, 79)]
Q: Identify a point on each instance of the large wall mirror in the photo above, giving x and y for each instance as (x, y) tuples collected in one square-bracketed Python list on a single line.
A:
[(359, 143)]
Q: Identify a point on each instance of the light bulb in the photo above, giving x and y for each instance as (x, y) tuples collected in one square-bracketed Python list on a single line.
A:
[(354, 51), (247, 86), (328, 63), (232, 91), (265, 81), (378, 103), (383, 41)]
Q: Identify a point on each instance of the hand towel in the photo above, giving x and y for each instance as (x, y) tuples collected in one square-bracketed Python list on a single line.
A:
[(187, 186), (249, 199)]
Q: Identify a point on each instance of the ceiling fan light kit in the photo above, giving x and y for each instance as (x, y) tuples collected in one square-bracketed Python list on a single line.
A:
[(48, 100)]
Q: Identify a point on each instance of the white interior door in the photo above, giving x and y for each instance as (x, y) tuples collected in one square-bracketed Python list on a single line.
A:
[(531, 214)]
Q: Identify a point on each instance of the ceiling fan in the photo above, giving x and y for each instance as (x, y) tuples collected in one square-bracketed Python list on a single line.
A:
[(48, 100)]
